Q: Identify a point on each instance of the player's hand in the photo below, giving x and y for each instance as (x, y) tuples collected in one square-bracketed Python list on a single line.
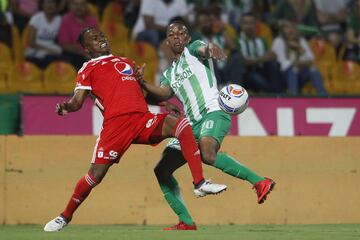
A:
[(61, 109), (139, 73), (172, 108), (215, 52)]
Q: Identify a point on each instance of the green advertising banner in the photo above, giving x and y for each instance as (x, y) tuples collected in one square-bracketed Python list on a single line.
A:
[(9, 114)]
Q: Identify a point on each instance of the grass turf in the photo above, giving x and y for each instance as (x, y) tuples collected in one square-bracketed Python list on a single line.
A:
[(218, 232)]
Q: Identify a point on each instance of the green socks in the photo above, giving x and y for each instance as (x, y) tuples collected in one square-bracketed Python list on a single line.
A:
[(172, 195), (227, 164), (234, 168)]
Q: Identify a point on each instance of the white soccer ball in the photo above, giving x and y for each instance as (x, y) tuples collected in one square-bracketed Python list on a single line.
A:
[(233, 99)]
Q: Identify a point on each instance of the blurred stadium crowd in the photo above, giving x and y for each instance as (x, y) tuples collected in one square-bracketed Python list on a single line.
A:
[(275, 47)]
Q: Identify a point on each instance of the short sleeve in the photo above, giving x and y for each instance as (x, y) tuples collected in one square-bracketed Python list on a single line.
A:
[(83, 79), (165, 78), (182, 7), (147, 7), (34, 21), (194, 47)]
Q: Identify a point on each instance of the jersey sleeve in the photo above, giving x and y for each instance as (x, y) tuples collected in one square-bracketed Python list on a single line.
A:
[(84, 79), (165, 79), (194, 47), (34, 21)]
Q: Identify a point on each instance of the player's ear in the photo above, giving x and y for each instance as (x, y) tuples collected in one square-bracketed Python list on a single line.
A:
[(87, 50), (167, 42), (189, 39)]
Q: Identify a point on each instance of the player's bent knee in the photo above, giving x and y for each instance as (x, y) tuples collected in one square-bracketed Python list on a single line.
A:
[(208, 158), (99, 171)]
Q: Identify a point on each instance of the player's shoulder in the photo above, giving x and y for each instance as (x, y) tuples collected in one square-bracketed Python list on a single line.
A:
[(167, 72), (127, 60)]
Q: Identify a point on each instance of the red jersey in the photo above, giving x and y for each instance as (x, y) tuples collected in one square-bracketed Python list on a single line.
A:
[(112, 81)]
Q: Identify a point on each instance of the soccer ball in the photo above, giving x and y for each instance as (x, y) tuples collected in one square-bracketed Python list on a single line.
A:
[(233, 99)]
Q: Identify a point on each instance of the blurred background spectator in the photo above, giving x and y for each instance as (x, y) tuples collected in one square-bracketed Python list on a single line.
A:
[(22, 11), (43, 31), (301, 12), (332, 19), (210, 28), (5, 23), (71, 26), (262, 73), (353, 33), (296, 60), (154, 17), (131, 13)]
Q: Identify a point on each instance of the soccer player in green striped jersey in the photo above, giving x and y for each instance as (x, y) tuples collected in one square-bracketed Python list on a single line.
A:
[(191, 79)]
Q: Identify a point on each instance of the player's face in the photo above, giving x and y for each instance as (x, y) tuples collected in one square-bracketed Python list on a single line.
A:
[(249, 25), (96, 43), (177, 37)]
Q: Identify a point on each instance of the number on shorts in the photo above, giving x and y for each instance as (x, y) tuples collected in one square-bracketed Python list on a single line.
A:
[(208, 125)]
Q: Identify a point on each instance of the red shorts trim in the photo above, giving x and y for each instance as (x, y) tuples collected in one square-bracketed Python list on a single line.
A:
[(120, 132)]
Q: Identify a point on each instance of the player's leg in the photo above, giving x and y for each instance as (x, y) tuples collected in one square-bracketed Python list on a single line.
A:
[(171, 160), (181, 129), (209, 147), (172, 126), (82, 190), (213, 130)]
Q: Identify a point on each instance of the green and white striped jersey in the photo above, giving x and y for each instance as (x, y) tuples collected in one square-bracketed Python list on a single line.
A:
[(193, 81), (251, 48)]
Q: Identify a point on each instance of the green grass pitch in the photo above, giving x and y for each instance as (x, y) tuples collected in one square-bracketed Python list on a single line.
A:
[(218, 232)]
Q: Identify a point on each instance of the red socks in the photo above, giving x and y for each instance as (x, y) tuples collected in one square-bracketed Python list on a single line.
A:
[(189, 148), (82, 190)]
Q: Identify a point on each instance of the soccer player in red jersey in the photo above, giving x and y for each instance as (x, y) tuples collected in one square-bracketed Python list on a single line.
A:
[(118, 94)]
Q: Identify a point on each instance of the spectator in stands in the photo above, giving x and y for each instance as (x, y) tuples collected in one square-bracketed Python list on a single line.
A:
[(332, 18), (131, 13), (153, 18), (71, 26), (353, 33), (43, 31), (262, 71), (298, 11), (5, 24), (22, 11), (296, 60), (209, 28)]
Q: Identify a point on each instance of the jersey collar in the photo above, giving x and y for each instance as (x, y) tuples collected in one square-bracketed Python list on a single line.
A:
[(101, 57)]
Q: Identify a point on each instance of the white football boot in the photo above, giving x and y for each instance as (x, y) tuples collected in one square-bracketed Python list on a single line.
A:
[(209, 188), (56, 224)]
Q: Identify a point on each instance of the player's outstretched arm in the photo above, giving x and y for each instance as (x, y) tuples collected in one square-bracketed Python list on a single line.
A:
[(74, 104), (161, 93), (213, 51)]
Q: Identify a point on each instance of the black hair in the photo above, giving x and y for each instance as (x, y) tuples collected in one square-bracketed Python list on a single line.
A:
[(41, 2), (179, 20), (249, 14), (81, 38)]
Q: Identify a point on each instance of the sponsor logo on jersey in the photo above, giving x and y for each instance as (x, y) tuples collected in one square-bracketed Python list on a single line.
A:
[(100, 154), (151, 122), (128, 78), (113, 154), (180, 77), (123, 68)]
